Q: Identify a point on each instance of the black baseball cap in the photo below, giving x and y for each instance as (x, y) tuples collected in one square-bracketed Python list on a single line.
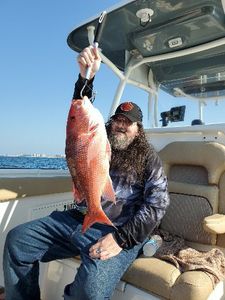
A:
[(130, 110)]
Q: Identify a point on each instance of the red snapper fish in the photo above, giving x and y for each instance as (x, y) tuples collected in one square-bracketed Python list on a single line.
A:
[(88, 154)]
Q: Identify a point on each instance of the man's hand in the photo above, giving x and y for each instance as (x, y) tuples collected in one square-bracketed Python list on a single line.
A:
[(105, 248), (89, 57)]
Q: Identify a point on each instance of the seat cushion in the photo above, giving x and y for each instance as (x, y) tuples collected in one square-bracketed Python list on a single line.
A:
[(164, 279), (153, 275), (192, 285)]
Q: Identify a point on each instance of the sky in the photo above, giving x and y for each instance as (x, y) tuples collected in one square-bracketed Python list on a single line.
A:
[(38, 71)]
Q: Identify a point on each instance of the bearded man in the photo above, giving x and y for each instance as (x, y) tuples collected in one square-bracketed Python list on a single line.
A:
[(106, 252)]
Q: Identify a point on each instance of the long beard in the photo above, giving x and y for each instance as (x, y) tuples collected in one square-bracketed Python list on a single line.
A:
[(132, 159), (120, 142)]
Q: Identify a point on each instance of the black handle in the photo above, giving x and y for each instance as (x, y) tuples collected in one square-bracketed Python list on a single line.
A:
[(98, 33)]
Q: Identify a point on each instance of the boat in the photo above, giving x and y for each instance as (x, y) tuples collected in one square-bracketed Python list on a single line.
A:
[(178, 47)]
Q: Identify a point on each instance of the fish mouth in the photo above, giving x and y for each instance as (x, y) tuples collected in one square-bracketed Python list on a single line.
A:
[(78, 103)]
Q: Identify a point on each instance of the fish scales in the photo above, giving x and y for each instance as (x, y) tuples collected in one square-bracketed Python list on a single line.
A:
[(88, 154)]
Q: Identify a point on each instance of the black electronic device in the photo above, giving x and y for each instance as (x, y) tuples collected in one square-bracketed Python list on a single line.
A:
[(175, 114)]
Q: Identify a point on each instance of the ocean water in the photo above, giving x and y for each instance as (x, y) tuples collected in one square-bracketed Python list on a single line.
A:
[(26, 162)]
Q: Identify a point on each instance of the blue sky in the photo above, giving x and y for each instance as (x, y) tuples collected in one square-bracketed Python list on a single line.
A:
[(38, 71)]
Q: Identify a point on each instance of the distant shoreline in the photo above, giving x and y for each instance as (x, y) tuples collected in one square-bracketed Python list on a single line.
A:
[(34, 155)]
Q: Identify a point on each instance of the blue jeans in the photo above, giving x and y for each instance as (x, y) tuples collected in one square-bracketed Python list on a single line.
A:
[(55, 237)]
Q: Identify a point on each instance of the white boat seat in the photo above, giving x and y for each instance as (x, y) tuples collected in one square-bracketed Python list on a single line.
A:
[(196, 174), (165, 280)]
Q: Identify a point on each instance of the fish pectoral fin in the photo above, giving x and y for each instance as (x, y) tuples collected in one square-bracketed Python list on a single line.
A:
[(77, 195), (93, 128), (91, 134), (97, 217), (108, 191)]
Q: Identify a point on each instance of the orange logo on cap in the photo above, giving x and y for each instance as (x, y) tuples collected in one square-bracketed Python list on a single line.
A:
[(127, 106)]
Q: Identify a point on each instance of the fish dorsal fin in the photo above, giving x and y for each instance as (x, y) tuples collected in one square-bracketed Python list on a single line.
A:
[(108, 192)]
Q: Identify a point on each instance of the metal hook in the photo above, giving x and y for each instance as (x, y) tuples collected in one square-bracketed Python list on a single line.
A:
[(92, 99)]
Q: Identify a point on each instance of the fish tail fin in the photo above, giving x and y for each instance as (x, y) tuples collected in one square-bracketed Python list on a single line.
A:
[(98, 217)]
